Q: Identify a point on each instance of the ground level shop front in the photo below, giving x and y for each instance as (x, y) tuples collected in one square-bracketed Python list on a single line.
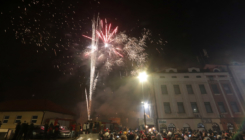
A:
[(185, 124)]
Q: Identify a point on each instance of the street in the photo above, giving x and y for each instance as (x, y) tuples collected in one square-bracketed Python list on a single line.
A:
[(89, 137), (82, 137)]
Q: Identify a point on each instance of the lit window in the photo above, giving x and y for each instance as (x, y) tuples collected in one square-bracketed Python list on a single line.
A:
[(194, 107), (167, 108), (227, 88), (164, 89), (208, 107), (18, 119), (176, 89), (5, 119), (202, 89), (34, 119), (234, 107), (181, 108), (221, 107), (189, 89), (215, 88)]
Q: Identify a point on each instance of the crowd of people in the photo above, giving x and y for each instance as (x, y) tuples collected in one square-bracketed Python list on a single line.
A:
[(90, 127), (23, 130), (177, 135)]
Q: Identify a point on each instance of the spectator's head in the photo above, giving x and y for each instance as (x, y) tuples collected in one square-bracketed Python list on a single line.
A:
[(205, 134), (123, 137)]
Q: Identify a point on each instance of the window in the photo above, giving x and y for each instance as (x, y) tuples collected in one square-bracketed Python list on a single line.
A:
[(162, 76), (167, 108), (176, 89), (189, 89), (234, 107), (194, 107), (222, 76), (198, 76), (34, 119), (208, 107), (227, 88), (174, 76), (164, 89), (216, 70), (18, 119), (5, 119), (221, 107), (210, 76), (215, 88), (194, 71), (202, 89), (186, 76), (181, 107)]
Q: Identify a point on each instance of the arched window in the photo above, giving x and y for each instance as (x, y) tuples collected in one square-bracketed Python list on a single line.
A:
[(163, 128), (216, 70), (200, 125), (230, 127), (171, 127), (171, 71), (215, 127), (194, 70), (186, 127)]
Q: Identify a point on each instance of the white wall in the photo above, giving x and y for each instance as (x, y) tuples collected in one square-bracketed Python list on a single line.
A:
[(54, 115), (184, 96)]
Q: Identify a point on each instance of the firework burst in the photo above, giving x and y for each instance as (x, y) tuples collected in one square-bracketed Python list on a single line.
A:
[(115, 47)]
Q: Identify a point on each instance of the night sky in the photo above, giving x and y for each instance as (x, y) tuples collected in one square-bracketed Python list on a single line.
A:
[(30, 68)]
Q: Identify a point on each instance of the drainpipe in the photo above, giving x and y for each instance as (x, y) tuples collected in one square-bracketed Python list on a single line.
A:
[(155, 102), (43, 117)]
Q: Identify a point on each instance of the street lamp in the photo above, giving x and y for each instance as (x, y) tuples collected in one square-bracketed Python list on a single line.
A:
[(146, 105), (142, 78)]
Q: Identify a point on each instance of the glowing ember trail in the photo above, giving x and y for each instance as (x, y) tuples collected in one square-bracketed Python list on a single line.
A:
[(93, 55), (106, 36)]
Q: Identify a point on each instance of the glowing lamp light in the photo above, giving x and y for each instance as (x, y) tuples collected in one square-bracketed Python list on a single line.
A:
[(142, 76), (146, 126), (106, 45), (146, 105)]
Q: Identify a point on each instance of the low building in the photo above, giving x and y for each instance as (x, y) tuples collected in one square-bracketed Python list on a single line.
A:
[(31, 111)]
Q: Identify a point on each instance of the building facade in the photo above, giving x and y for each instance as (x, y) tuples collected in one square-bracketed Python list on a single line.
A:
[(187, 100), (227, 96), (237, 71), (32, 111)]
